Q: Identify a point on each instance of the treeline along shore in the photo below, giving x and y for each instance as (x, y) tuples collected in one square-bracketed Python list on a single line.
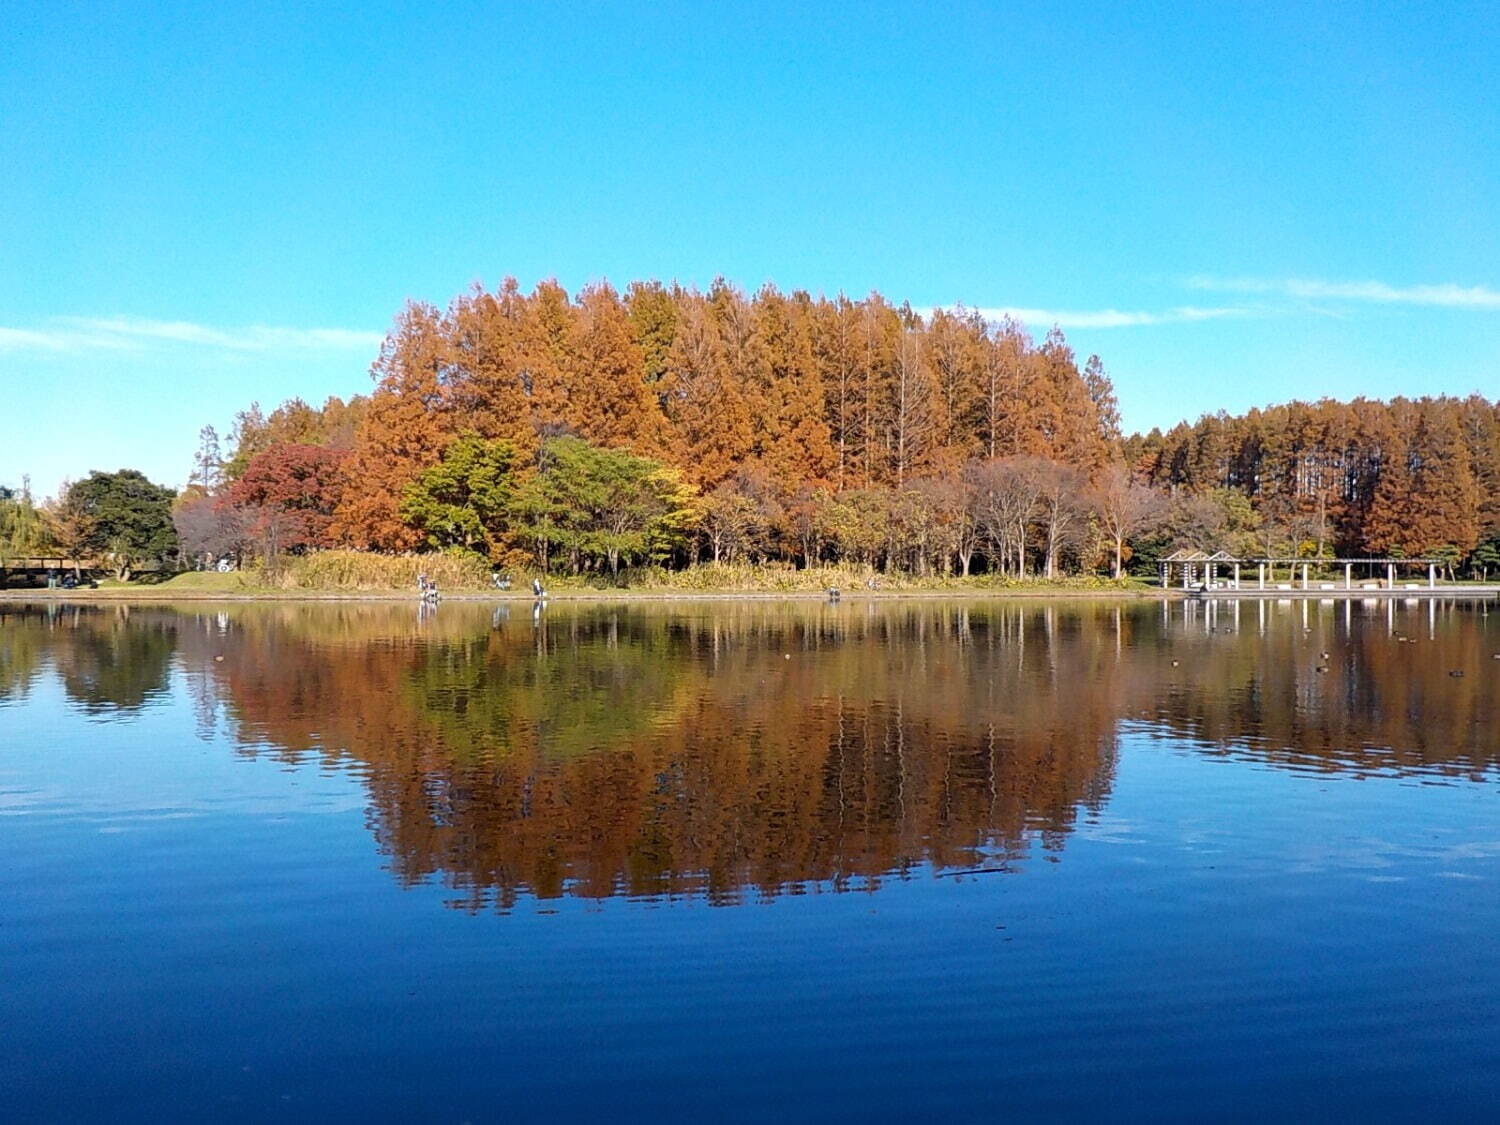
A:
[(664, 437)]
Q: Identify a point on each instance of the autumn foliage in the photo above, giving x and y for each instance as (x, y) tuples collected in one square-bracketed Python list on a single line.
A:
[(1404, 478), (782, 427), (296, 488), (775, 406)]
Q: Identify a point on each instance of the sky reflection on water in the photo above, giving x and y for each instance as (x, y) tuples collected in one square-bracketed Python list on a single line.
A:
[(1106, 859)]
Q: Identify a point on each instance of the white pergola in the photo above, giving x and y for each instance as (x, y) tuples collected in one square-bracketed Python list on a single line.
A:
[(1196, 568), (1200, 570)]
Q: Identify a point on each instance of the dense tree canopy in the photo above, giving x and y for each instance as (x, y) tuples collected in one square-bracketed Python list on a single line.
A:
[(594, 505), (467, 499), (1404, 478), (807, 428), (290, 492), (782, 426), (292, 423), (124, 516)]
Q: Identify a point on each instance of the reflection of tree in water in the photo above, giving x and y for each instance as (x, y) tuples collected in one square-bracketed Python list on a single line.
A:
[(108, 659), (1400, 689), (120, 665), (22, 651), (762, 748), (631, 751), (774, 747)]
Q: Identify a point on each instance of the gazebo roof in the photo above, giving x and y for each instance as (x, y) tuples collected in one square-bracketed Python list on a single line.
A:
[(1193, 556)]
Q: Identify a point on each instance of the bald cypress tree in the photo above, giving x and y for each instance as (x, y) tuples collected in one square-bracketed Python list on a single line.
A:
[(917, 419), (709, 424), (405, 430), (1445, 508), (608, 399), (548, 342), (653, 310), (486, 332), (1479, 422), (793, 440), (835, 328)]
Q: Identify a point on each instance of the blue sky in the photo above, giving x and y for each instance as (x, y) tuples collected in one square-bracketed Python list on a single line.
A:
[(1233, 204)]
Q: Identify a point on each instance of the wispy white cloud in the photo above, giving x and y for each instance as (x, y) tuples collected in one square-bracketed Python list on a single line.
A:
[(1108, 318), (26, 339), (78, 334), (1446, 295)]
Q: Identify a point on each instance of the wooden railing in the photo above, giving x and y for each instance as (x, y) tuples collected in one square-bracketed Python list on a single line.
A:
[(49, 562), (40, 564)]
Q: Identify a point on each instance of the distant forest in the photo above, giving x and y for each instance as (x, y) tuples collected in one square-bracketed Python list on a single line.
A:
[(1405, 478), (669, 426)]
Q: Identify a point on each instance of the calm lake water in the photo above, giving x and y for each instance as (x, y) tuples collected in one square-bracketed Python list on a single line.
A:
[(750, 861)]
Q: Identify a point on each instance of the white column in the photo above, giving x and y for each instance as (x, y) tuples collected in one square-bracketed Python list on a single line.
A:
[(1390, 575), (1304, 576), (1348, 576), (1262, 576), (1236, 576), (1432, 574)]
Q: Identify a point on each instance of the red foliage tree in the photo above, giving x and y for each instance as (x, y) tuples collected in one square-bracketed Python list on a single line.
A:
[(294, 489)]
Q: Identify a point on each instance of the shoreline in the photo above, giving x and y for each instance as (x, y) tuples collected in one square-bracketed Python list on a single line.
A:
[(167, 597)]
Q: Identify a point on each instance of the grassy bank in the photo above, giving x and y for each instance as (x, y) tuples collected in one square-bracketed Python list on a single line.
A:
[(345, 574)]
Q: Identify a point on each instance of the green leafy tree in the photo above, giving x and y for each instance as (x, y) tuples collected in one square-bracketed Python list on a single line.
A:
[(605, 506), (1486, 557), (23, 529), (127, 517), (466, 499), (856, 524)]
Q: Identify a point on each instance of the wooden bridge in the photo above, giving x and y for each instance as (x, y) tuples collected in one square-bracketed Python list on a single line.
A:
[(33, 569)]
